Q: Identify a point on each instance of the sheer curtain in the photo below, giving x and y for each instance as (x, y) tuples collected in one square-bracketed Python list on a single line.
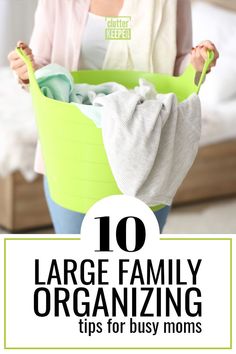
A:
[(16, 23)]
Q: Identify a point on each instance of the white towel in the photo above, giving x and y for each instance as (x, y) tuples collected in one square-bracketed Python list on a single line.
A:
[(150, 144)]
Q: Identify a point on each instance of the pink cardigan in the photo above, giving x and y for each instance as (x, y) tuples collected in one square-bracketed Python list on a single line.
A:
[(57, 37)]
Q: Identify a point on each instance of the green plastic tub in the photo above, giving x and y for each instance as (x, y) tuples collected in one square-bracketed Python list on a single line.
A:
[(76, 164)]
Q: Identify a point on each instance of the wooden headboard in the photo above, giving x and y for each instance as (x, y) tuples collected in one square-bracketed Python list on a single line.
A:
[(227, 4)]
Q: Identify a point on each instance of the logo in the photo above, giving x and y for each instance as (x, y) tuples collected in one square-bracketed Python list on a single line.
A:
[(118, 28)]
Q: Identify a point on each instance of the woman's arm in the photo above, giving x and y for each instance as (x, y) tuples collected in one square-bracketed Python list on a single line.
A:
[(183, 35), (42, 36), (185, 52), (39, 51)]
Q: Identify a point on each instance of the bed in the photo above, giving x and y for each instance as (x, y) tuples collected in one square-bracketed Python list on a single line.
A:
[(213, 175), (22, 204)]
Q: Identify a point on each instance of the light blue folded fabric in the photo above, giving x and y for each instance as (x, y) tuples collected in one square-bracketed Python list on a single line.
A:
[(86, 93), (57, 83), (92, 112)]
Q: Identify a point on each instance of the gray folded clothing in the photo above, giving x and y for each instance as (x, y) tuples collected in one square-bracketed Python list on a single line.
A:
[(151, 144)]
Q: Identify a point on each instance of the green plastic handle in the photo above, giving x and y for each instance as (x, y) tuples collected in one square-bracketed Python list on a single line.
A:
[(25, 58), (27, 61), (210, 58), (33, 82)]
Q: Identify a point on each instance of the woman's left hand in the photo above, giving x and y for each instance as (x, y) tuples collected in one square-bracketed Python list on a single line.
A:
[(199, 55)]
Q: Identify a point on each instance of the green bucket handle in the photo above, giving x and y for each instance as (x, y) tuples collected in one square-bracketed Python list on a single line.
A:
[(33, 81), (28, 63), (209, 60)]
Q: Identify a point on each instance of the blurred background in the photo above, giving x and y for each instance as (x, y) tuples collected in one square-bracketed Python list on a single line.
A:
[(205, 203)]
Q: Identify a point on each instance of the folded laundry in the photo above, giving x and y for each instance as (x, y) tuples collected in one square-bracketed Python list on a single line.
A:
[(150, 144), (92, 112), (89, 94), (86, 93), (146, 90), (56, 82), (150, 139)]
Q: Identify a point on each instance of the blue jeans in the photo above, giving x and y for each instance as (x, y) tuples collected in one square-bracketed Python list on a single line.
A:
[(69, 222)]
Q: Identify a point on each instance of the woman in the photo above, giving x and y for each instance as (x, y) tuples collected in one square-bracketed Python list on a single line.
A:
[(72, 33)]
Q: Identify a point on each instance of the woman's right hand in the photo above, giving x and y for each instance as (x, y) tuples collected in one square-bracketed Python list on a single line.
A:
[(18, 65)]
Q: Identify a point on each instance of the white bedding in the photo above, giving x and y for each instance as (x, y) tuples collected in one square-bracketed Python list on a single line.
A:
[(18, 134), (218, 94)]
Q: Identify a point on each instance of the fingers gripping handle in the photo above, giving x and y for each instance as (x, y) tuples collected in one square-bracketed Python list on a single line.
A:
[(33, 82), (210, 58), (29, 65)]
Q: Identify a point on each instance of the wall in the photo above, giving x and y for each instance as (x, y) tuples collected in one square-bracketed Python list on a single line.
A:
[(16, 23)]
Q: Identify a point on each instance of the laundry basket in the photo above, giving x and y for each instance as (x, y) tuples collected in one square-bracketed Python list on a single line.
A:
[(76, 164)]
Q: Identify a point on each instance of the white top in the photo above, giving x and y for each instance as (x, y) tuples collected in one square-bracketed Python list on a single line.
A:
[(94, 45)]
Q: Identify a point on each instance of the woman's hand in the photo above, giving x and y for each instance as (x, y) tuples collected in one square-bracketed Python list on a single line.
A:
[(199, 55), (18, 65)]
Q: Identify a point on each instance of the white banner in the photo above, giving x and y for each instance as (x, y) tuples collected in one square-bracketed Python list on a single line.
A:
[(119, 285)]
